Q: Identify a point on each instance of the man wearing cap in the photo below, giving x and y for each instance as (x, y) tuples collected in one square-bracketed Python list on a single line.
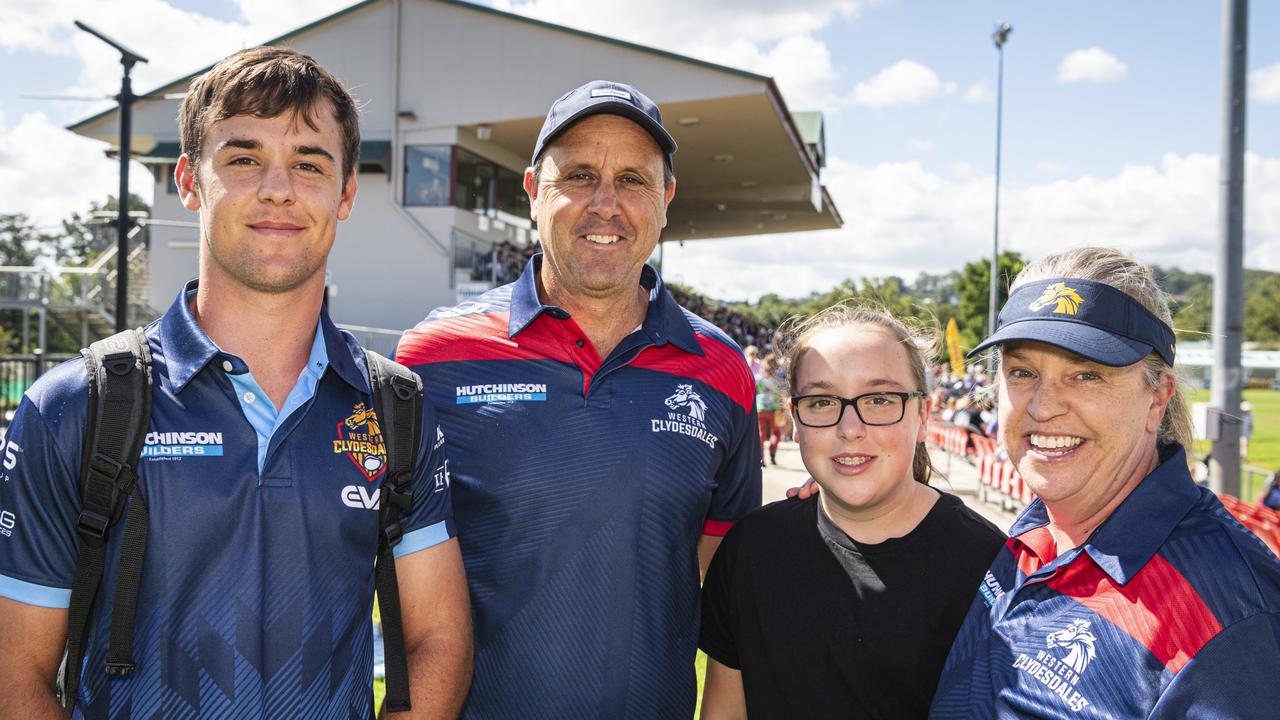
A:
[(603, 438), (1125, 591)]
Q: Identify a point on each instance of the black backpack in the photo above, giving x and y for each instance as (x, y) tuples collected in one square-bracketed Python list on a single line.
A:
[(119, 369)]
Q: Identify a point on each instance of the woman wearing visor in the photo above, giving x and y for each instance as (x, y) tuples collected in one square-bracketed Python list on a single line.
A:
[(1125, 591)]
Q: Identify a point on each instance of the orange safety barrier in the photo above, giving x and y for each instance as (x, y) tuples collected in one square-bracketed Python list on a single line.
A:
[(1260, 520), (999, 476), (951, 438)]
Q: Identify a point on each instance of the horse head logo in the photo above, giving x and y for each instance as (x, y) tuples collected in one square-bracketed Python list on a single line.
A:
[(1078, 641), (1066, 300), (685, 396), (363, 416)]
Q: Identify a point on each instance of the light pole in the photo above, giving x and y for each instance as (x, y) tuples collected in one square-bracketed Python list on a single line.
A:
[(126, 97), (1228, 281), (999, 37)]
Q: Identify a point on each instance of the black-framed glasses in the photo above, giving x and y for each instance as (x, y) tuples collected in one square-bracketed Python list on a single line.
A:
[(877, 408)]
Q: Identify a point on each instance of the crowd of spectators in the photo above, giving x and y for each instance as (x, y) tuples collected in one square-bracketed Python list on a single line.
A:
[(741, 328), (508, 261), (965, 401)]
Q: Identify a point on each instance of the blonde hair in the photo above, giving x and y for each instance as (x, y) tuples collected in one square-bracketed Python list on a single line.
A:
[(920, 340), (1131, 277)]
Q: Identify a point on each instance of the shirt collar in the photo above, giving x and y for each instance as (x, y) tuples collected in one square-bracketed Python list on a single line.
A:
[(188, 349), (664, 320), (1127, 540)]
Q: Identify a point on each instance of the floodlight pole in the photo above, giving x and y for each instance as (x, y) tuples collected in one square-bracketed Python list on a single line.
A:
[(999, 37), (1228, 282), (128, 59)]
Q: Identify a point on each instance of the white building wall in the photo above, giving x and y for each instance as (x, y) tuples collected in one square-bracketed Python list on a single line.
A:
[(174, 258), (392, 264), (464, 66), (383, 271), (357, 48)]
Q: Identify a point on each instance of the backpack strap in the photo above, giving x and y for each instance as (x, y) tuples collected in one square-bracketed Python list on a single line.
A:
[(119, 410), (397, 400)]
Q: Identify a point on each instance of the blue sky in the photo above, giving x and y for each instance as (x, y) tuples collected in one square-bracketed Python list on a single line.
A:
[(1112, 118), (1168, 100)]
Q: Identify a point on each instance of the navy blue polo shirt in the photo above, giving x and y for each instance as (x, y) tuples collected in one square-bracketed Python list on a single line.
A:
[(257, 583), (581, 486), (1170, 610)]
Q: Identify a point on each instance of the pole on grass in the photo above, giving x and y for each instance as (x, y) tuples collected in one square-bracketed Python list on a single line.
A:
[(1228, 281)]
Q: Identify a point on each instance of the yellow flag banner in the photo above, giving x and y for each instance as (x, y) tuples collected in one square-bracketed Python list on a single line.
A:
[(953, 348)]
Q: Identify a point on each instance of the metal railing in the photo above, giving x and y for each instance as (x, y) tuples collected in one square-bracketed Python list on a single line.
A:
[(17, 373), (22, 285), (1253, 480)]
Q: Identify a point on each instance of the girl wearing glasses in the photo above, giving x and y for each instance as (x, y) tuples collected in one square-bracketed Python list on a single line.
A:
[(846, 603)]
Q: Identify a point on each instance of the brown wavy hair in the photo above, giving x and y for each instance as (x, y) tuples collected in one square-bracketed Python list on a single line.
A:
[(265, 82), (918, 337)]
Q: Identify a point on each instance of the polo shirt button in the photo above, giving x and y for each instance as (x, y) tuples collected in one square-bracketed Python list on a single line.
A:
[(250, 397), (226, 365), (580, 343)]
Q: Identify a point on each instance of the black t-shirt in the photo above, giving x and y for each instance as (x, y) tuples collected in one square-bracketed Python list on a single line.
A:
[(813, 640)]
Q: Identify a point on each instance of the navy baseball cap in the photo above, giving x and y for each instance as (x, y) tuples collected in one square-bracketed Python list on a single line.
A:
[(1088, 318), (604, 97)]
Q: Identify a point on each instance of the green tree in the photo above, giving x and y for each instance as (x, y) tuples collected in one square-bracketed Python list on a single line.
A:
[(20, 244), (973, 287), (939, 289), (1193, 312), (1178, 282), (20, 240), (1262, 308), (85, 236)]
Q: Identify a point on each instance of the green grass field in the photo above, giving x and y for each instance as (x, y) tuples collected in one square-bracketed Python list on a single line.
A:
[(1264, 447)]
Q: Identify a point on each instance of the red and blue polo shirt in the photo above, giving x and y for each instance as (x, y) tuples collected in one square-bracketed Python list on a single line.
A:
[(1170, 610), (581, 486)]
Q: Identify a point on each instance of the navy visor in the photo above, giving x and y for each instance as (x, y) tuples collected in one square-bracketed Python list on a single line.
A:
[(1088, 318)]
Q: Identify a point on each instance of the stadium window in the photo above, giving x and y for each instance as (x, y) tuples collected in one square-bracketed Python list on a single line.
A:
[(427, 172), (438, 176)]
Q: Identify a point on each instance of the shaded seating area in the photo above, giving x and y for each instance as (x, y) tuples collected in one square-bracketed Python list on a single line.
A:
[(1261, 521)]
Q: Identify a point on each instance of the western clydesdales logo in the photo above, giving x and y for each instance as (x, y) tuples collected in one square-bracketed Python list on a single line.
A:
[(1078, 641), (1061, 673), (360, 439), (685, 396), (1066, 300), (691, 422)]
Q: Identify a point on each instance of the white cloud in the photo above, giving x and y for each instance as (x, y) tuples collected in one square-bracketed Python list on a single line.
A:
[(905, 82), (1090, 65), (1264, 85), (901, 219), (978, 93), (919, 144), (176, 42), (802, 68), (762, 36), (1046, 167), (47, 172), (689, 25)]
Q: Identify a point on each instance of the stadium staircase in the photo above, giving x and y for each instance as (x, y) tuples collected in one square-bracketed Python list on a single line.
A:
[(82, 300)]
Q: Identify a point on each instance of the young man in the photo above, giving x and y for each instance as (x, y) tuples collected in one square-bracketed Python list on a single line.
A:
[(262, 466), (604, 438)]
